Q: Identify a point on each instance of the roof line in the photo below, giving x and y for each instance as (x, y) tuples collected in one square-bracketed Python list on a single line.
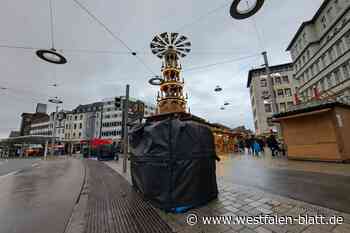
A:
[(302, 26)]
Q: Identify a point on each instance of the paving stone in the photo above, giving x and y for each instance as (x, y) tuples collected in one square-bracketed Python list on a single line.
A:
[(254, 212), (295, 228), (232, 209), (255, 204), (321, 228), (236, 205), (265, 211), (219, 228), (231, 231), (236, 227), (263, 230), (247, 208), (226, 203), (247, 230), (344, 228), (276, 228)]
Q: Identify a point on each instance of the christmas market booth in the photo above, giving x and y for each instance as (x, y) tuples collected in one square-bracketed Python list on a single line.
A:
[(318, 130)]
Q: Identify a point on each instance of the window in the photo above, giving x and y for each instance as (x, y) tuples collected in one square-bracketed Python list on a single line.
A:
[(280, 93), (323, 60), (268, 108), (81, 116), (329, 81), (79, 134), (263, 83), (308, 54), (75, 126), (73, 135), (330, 55), (304, 38), (269, 121), (317, 66), (346, 71), (282, 107), (312, 71), (330, 13), (347, 38), (288, 92), (80, 125), (285, 79), (322, 84), (278, 81), (75, 117), (337, 76), (324, 22), (265, 95), (339, 48)]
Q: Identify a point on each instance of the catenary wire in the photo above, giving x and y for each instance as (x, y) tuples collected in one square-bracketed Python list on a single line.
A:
[(112, 34), (51, 25), (220, 63), (202, 16)]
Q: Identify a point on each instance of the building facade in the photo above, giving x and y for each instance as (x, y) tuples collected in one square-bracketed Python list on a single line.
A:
[(113, 116), (320, 51), (83, 123), (284, 87)]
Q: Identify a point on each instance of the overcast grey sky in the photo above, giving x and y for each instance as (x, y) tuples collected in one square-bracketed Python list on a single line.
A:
[(91, 77)]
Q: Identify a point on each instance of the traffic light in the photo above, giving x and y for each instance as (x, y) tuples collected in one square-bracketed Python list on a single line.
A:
[(117, 102)]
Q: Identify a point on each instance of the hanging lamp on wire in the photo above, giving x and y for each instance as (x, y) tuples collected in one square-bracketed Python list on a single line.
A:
[(239, 14), (51, 55)]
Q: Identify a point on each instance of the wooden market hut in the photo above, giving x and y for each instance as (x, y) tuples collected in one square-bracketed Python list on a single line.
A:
[(318, 131)]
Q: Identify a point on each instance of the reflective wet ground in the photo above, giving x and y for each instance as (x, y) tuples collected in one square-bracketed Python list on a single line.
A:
[(40, 198), (323, 184), (13, 165)]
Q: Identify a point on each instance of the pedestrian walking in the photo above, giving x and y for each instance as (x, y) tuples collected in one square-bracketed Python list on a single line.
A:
[(256, 147), (273, 145), (247, 145)]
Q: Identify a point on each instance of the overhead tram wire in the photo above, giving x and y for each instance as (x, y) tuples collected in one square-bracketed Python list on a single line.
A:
[(113, 35), (204, 15), (52, 26), (220, 63), (17, 47)]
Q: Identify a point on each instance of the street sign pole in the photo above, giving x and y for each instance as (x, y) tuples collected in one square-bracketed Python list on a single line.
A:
[(125, 128)]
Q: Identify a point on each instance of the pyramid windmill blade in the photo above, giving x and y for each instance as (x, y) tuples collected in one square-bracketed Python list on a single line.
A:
[(159, 40), (181, 54), (187, 44), (174, 35), (180, 40), (165, 37)]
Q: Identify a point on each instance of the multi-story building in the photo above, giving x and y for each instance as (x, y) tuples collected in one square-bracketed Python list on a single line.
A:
[(83, 123), (283, 86), (41, 126), (113, 115), (320, 51)]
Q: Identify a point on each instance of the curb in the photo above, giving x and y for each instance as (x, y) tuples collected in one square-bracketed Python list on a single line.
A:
[(77, 220)]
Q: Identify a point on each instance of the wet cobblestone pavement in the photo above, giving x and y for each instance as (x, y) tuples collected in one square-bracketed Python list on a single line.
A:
[(242, 200)]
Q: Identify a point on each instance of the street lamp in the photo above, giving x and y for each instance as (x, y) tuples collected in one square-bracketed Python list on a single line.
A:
[(56, 101), (236, 13)]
